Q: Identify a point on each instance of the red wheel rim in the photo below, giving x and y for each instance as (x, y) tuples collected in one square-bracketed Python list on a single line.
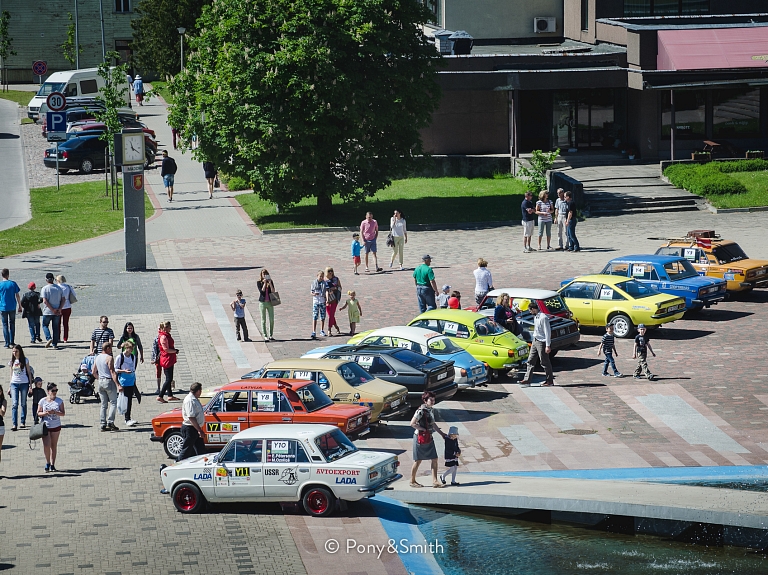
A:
[(186, 498), (317, 501)]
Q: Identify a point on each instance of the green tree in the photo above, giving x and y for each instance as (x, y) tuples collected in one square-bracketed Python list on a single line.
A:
[(309, 98), (536, 175), (68, 47), (156, 43), (112, 97), (6, 42)]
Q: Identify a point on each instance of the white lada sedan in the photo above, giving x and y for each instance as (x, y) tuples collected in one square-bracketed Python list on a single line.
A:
[(314, 464)]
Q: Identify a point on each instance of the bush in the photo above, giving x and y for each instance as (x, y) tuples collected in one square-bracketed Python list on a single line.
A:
[(743, 166), (710, 179), (236, 183)]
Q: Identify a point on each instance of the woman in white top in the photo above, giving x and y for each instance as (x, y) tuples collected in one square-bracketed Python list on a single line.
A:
[(50, 409), (483, 280), (544, 210), (399, 235), (21, 378), (66, 294)]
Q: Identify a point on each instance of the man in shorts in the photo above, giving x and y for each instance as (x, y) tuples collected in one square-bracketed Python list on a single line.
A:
[(168, 171), (318, 290), (528, 210), (369, 229)]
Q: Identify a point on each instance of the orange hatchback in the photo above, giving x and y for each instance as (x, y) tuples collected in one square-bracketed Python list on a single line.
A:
[(243, 404)]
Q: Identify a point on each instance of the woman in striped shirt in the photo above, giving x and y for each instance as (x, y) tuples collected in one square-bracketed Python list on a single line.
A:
[(544, 209)]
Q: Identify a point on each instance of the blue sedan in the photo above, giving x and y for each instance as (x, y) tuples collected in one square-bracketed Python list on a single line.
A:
[(671, 275)]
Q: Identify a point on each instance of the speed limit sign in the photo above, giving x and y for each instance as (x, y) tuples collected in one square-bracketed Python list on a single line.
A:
[(56, 101)]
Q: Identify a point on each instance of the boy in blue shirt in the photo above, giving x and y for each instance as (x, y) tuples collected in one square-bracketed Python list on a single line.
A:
[(356, 248)]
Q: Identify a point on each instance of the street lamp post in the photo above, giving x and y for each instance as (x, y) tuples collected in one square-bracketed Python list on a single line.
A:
[(77, 40), (101, 17), (181, 30)]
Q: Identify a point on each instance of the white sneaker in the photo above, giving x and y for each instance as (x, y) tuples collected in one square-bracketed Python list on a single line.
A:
[(130, 422), (322, 333)]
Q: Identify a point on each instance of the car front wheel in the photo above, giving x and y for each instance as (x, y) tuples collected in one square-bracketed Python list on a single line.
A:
[(172, 444), (319, 501), (86, 166), (622, 325), (187, 498)]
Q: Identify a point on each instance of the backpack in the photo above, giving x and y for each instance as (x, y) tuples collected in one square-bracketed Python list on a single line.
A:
[(172, 166), (156, 350)]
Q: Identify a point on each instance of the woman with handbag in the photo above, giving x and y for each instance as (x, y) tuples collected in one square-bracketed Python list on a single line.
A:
[(268, 299), (168, 353), (21, 379), (68, 296), (423, 445), (125, 368), (50, 409), (398, 233), (332, 297), (211, 175)]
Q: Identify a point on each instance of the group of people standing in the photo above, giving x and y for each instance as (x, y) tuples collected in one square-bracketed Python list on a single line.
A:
[(562, 213)]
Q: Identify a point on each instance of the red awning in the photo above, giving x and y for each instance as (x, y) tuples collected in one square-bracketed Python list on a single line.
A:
[(720, 48)]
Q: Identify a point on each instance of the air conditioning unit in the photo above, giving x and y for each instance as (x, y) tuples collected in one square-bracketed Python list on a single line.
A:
[(544, 24)]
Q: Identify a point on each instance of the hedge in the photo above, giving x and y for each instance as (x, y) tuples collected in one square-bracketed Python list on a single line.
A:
[(711, 179)]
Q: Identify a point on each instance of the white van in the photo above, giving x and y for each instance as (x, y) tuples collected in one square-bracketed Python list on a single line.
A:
[(85, 82)]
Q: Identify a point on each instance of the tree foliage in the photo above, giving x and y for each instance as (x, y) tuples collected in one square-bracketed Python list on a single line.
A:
[(6, 43), (537, 173), (68, 47), (112, 97), (309, 97), (156, 43)]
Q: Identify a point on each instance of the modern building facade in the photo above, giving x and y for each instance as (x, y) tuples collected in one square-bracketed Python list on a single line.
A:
[(39, 29), (628, 75)]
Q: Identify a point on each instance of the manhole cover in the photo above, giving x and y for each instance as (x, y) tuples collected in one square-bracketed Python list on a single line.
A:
[(579, 431)]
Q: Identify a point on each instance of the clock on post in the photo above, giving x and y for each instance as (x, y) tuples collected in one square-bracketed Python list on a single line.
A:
[(130, 154), (129, 148)]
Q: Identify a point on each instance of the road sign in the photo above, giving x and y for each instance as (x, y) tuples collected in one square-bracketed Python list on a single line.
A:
[(56, 101), (56, 126), (39, 67)]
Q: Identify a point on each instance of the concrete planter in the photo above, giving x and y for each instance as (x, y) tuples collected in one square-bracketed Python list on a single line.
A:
[(756, 155), (701, 157)]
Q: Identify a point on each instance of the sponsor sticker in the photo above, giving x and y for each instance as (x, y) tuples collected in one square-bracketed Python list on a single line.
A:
[(289, 476), (728, 276), (346, 480), (302, 375), (204, 476), (279, 446), (338, 471), (221, 477)]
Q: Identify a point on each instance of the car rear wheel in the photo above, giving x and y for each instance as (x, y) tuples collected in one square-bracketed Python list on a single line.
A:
[(86, 166), (622, 325), (319, 501), (187, 498), (172, 444)]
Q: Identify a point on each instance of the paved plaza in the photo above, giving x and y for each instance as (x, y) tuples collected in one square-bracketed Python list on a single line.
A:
[(103, 513)]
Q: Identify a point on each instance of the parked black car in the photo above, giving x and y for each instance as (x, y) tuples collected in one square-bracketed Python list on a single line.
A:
[(83, 151), (417, 372)]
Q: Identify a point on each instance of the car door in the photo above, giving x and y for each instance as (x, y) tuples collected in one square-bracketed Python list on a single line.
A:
[(607, 299), (580, 297), (270, 406), (238, 471), (226, 415), (286, 467)]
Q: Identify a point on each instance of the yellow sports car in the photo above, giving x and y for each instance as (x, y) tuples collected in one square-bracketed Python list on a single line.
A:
[(602, 299), (485, 340)]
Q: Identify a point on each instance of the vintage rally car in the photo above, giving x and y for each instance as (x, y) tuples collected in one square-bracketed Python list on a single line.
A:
[(243, 404), (416, 371), (312, 464), (478, 334), (673, 275), (565, 331), (715, 257), (597, 300), (344, 381), (469, 371)]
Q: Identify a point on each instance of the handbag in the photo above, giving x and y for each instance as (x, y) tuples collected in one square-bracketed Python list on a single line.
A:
[(390, 240), (72, 296), (216, 183), (37, 431), (274, 298), (122, 403), (424, 437)]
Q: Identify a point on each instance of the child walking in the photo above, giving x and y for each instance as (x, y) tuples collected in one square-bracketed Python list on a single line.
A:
[(608, 347), (356, 248), (452, 453), (642, 347), (37, 393), (238, 307), (354, 311)]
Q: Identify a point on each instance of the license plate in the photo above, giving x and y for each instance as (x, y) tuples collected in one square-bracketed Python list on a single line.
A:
[(442, 376), (395, 403), (760, 272)]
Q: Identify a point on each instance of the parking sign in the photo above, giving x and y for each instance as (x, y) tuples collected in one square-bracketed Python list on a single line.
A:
[(56, 126)]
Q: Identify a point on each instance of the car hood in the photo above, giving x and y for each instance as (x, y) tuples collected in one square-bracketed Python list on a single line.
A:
[(364, 458), (194, 461), (745, 264), (380, 388), (342, 410)]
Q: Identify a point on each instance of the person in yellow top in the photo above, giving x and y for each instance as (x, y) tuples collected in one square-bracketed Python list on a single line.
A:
[(354, 311)]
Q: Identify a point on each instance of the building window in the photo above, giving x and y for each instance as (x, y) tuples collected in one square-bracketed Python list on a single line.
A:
[(665, 7), (736, 113), (690, 114), (585, 119), (433, 7), (122, 5), (585, 14)]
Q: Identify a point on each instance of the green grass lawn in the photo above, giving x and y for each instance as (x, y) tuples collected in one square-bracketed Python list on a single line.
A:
[(757, 192), (21, 98), (76, 212), (162, 88), (421, 200)]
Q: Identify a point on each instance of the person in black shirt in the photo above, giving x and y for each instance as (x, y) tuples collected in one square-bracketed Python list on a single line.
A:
[(570, 222), (30, 303), (168, 173), (452, 453), (528, 210), (642, 347), (37, 393), (608, 347)]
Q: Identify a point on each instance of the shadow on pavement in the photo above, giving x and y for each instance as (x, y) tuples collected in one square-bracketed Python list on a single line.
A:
[(717, 315), (69, 472), (5, 136), (218, 269), (479, 394)]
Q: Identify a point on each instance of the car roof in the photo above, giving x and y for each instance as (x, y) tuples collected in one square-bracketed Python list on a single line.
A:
[(452, 314), (526, 293), (249, 384), (285, 430), (352, 348), (601, 278), (691, 243), (406, 332), (645, 259), (306, 362)]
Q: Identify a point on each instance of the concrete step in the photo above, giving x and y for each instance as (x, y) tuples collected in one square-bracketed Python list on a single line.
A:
[(595, 199), (643, 210)]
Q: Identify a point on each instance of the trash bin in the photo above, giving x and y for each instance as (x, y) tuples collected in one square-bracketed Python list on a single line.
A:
[(462, 42), (442, 42)]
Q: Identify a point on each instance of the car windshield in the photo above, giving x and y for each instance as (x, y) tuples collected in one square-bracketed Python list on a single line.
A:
[(353, 374), (680, 270), (335, 445), (729, 253), (49, 87), (442, 346), (555, 304), (313, 397), (416, 360), (636, 289), (486, 326)]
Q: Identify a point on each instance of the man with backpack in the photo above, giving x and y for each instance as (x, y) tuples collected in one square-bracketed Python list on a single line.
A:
[(167, 171)]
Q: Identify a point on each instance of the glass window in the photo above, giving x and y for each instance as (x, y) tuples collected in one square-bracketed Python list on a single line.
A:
[(608, 293), (736, 113), (580, 290), (377, 340), (555, 304), (489, 303), (313, 397), (443, 346), (416, 360), (71, 90), (668, 251), (241, 451), (215, 404), (270, 401), (275, 374), (729, 253), (454, 329), (49, 87), (644, 271), (88, 87), (695, 6), (690, 114), (585, 14), (637, 8), (486, 326), (353, 374), (122, 5), (379, 367), (235, 401), (616, 269), (636, 289), (335, 445), (283, 451), (666, 7), (680, 270)]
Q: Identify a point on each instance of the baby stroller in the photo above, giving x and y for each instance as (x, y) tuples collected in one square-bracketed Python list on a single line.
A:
[(82, 383)]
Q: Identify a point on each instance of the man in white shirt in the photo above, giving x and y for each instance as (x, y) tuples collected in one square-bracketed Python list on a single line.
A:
[(53, 302), (193, 420), (483, 280), (540, 348), (561, 213)]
